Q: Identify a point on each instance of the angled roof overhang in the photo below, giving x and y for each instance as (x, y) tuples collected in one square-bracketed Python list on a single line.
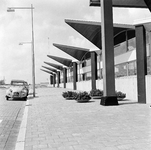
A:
[(92, 31), (64, 61), (54, 65), (126, 3), (122, 3), (51, 69), (76, 52), (47, 71)]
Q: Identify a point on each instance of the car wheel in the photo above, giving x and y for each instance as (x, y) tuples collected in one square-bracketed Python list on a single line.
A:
[(7, 98), (25, 98)]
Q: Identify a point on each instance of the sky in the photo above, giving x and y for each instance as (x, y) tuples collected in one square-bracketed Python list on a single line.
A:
[(49, 28)]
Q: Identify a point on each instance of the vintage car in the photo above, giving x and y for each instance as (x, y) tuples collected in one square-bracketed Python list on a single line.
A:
[(19, 89)]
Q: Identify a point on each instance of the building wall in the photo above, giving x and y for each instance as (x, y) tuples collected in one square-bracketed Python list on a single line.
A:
[(148, 89), (61, 85), (69, 85), (126, 84), (84, 85)]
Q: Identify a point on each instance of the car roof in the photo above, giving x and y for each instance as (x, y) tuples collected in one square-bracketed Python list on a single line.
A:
[(18, 81)]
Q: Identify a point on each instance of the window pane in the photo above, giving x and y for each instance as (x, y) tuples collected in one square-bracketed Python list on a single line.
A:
[(88, 76), (132, 44), (132, 68), (149, 65), (121, 70)]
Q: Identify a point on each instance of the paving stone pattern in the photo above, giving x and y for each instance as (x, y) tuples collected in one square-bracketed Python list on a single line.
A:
[(58, 124)]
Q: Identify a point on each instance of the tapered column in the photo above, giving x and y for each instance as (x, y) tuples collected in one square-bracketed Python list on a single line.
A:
[(150, 50), (51, 79), (141, 63), (93, 69), (54, 80), (58, 77), (64, 76), (108, 53), (75, 75)]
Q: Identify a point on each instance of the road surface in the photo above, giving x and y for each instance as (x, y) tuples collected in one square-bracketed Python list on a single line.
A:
[(11, 113)]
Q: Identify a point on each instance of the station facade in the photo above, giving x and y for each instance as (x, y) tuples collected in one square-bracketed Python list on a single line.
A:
[(132, 61)]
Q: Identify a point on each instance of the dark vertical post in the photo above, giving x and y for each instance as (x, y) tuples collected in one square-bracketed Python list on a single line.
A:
[(108, 54), (93, 69), (141, 63), (150, 51), (51, 79), (64, 76), (54, 80), (58, 77), (75, 75)]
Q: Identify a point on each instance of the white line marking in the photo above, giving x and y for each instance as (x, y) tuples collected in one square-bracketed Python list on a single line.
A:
[(22, 132), (0, 121)]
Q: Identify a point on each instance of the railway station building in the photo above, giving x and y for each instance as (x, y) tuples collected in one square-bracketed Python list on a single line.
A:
[(121, 62)]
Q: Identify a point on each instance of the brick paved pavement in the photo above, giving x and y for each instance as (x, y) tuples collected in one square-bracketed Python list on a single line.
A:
[(57, 124)]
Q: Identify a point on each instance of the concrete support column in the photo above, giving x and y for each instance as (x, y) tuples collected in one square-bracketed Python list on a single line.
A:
[(54, 80), (75, 75), (150, 50), (141, 63), (108, 54), (93, 69), (58, 77), (51, 79), (64, 76)]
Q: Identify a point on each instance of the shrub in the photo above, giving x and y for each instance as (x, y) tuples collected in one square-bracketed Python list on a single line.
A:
[(96, 92), (69, 95), (120, 94), (83, 97)]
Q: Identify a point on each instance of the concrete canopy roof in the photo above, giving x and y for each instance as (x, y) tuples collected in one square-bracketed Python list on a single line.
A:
[(54, 65), (64, 61), (92, 31), (51, 69), (47, 71), (122, 3), (76, 52)]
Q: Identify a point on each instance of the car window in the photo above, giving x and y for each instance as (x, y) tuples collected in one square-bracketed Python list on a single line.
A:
[(19, 83)]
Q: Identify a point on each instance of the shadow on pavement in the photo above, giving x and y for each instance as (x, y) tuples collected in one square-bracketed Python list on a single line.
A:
[(127, 102)]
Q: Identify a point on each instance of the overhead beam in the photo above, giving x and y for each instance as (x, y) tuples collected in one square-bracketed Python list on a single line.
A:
[(123, 3)]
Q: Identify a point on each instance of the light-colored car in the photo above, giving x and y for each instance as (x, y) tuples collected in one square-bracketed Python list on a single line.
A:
[(19, 89)]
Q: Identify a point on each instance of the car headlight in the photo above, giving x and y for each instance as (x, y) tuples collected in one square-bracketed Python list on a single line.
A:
[(24, 91), (10, 90)]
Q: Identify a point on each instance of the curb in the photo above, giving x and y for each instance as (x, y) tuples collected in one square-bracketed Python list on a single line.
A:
[(22, 131)]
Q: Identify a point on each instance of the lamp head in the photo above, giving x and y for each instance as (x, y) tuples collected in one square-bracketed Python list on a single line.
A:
[(10, 9)]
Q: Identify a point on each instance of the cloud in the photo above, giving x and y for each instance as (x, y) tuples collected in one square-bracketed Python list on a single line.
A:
[(49, 15)]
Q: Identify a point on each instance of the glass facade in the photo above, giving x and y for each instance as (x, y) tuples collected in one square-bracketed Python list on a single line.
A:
[(121, 70), (70, 74), (149, 65), (128, 68), (84, 71), (132, 68), (61, 76)]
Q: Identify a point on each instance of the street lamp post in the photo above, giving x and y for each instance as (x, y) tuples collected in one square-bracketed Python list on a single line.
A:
[(12, 9)]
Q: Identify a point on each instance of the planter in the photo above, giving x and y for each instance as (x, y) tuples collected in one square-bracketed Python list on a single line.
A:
[(69, 95), (96, 93), (82, 97), (83, 100), (69, 98), (120, 95), (96, 97), (120, 98)]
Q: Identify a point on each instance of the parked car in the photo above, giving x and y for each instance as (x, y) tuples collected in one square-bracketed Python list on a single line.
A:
[(18, 89)]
